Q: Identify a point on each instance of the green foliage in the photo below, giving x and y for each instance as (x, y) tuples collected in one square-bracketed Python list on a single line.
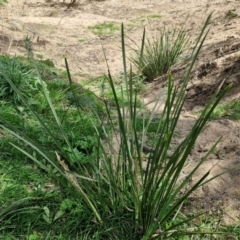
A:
[(231, 13), (154, 212), (79, 129), (154, 16), (84, 99), (102, 83), (21, 72), (77, 124), (43, 217), (121, 93), (45, 68), (113, 196), (233, 231), (102, 29), (10, 113), (154, 124), (18, 178), (230, 110), (24, 79), (2, 2), (159, 54)]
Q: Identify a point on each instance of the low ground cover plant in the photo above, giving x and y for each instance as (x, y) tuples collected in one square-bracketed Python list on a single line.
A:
[(104, 29), (24, 79), (111, 195), (70, 111), (229, 110)]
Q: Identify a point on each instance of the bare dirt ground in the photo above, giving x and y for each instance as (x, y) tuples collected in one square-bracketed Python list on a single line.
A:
[(58, 32)]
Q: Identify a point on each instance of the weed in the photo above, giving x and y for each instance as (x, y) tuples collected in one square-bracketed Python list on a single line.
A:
[(232, 13), (85, 99), (20, 181), (230, 110), (106, 93), (104, 29), (131, 26), (153, 124), (83, 40), (154, 16), (25, 80)]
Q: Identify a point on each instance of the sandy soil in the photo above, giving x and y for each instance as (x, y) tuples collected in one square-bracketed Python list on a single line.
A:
[(59, 32)]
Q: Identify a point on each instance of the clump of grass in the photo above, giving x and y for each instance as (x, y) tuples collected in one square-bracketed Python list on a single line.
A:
[(103, 29), (231, 13), (45, 67), (25, 80), (19, 178), (66, 106), (230, 110), (159, 54), (154, 16), (105, 92)]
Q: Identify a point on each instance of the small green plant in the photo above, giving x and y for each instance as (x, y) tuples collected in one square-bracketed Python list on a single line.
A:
[(20, 180), (106, 93), (83, 40), (131, 26), (25, 80), (230, 110), (232, 13), (103, 29), (158, 55), (121, 95), (154, 16)]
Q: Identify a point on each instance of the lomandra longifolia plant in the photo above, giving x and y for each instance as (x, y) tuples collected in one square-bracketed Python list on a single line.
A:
[(152, 195), (128, 200)]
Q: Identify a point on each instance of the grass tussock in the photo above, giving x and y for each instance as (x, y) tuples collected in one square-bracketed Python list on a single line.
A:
[(158, 54), (89, 154)]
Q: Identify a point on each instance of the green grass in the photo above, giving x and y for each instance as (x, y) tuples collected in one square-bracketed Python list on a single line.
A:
[(131, 26), (154, 16), (20, 179), (103, 29), (80, 135), (2, 2), (232, 13), (102, 88), (230, 110)]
